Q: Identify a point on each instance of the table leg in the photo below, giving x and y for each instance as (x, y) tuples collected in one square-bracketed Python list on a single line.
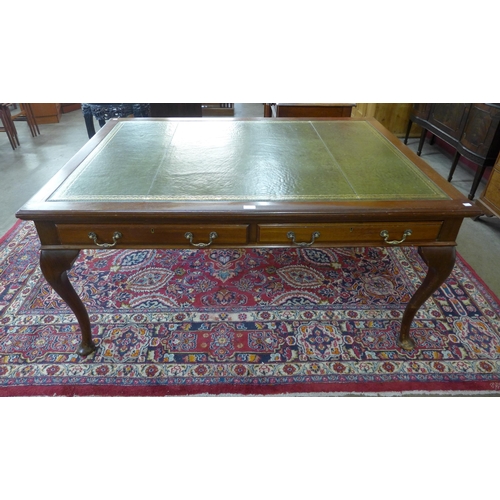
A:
[(476, 181), (440, 261), (421, 142), (408, 129), (454, 163), (89, 119), (54, 265)]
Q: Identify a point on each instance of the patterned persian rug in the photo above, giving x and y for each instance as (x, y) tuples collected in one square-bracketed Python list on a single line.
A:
[(252, 321)]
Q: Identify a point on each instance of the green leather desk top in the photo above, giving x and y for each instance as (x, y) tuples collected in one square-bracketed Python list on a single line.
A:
[(264, 160)]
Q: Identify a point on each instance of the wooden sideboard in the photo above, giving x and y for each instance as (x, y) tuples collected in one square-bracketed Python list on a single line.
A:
[(490, 198), (393, 116), (472, 129), (177, 110), (308, 110), (68, 107), (217, 109)]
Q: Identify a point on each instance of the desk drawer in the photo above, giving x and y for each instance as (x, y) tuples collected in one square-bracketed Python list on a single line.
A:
[(345, 233), (151, 234)]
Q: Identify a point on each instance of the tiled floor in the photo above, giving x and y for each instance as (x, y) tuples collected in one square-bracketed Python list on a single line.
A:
[(30, 166)]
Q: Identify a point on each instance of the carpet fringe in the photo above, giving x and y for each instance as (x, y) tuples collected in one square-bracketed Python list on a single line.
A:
[(359, 394)]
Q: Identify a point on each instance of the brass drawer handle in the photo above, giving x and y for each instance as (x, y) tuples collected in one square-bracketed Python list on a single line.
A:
[(291, 236), (116, 237), (385, 235), (211, 236)]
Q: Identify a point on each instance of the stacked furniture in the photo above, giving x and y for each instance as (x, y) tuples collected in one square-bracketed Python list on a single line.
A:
[(51, 112), (7, 120), (472, 129), (7, 125), (26, 114)]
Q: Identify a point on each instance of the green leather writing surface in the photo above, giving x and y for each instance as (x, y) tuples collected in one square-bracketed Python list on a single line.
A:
[(262, 160)]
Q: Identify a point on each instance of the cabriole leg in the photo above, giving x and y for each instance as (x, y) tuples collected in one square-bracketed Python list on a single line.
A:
[(54, 265), (440, 261)]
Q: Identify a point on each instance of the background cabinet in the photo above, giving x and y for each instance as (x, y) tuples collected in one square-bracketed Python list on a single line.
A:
[(393, 116), (308, 110), (449, 119), (47, 112), (222, 109), (472, 129), (51, 112)]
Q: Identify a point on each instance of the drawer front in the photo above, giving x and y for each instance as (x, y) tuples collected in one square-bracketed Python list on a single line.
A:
[(345, 233), (152, 234)]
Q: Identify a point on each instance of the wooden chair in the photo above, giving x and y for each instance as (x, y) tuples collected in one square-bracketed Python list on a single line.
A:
[(8, 125), (27, 115)]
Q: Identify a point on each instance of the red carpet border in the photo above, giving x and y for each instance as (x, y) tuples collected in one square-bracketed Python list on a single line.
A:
[(243, 321)]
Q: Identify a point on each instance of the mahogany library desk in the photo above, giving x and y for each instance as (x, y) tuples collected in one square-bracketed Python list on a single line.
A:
[(179, 183)]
